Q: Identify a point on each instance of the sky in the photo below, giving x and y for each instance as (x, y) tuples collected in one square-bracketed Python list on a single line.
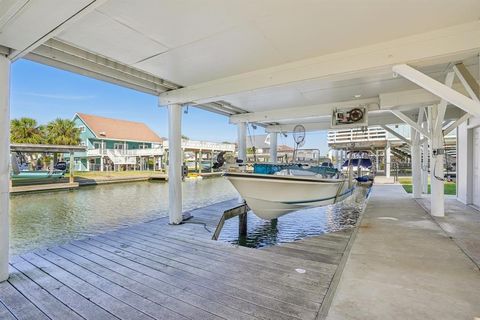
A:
[(46, 93)]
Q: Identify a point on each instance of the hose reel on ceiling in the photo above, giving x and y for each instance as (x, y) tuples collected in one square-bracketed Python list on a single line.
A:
[(349, 117)]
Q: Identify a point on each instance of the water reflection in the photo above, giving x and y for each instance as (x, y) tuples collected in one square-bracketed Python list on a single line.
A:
[(44, 219), (297, 225)]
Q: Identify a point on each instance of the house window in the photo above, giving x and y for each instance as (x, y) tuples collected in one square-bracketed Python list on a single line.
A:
[(82, 129), (97, 145), (118, 146)]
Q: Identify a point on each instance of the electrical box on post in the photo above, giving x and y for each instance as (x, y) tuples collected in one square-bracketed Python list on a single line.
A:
[(184, 170), (349, 118)]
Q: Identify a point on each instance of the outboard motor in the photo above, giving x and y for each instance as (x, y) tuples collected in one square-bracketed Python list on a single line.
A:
[(15, 166), (220, 160)]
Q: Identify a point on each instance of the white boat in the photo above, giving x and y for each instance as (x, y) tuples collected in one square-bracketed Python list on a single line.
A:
[(273, 195)]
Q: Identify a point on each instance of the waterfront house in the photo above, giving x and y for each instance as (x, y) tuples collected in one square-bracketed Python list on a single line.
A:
[(114, 144)]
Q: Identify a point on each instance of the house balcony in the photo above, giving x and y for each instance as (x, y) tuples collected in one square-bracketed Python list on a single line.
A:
[(150, 152)]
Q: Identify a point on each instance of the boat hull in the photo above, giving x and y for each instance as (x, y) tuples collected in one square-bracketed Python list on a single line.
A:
[(271, 196)]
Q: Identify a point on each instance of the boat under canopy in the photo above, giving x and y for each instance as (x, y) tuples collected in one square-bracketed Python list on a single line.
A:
[(273, 195)]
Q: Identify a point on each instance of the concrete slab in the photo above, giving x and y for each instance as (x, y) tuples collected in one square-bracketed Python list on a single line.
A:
[(461, 223), (404, 266), (384, 180)]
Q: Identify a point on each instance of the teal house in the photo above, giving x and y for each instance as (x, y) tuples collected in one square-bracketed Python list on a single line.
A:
[(114, 144)]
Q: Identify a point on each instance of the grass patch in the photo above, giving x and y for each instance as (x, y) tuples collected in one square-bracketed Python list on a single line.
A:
[(449, 188), (115, 174)]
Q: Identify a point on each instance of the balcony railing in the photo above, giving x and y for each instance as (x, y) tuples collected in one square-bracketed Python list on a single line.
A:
[(204, 145), (355, 135), (124, 153)]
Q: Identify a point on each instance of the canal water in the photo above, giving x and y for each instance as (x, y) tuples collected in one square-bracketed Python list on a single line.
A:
[(45, 219), (297, 225)]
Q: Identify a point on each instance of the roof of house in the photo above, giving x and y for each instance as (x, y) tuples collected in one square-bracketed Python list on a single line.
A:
[(284, 148), (115, 129)]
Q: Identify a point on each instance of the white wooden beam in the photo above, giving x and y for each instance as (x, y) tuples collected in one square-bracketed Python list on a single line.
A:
[(435, 46), (396, 134), (410, 122), (456, 123), (55, 30), (439, 89), (473, 89), (408, 97), (442, 106), (374, 119), (313, 111), (468, 81)]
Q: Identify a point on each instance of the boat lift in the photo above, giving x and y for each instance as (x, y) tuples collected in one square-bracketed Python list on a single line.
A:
[(241, 211)]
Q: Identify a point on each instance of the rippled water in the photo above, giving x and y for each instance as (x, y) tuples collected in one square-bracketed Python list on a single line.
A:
[(44, 219), (297, 225)]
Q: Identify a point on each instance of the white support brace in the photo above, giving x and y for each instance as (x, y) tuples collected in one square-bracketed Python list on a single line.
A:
[(473, 89), (396, 134), (439, 89), (416, 156), (442, 106), (456, 123), (468, 81), (410, 122)]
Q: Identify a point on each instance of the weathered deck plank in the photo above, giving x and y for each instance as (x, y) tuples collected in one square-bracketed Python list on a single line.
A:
[(5, 314), (47, 303), (76, 302), (17, 304), (156, 271)]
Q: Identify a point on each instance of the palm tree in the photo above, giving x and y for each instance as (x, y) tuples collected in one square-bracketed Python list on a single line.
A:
[(26, 130), (62, 132)]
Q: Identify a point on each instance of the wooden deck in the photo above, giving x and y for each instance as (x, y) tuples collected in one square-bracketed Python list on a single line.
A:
[(156, 271), (44, 187)]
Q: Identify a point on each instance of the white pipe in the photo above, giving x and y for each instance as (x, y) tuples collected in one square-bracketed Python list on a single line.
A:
[(175, 163), (273, 147), (416, 164), (242, 141), (4, 164)]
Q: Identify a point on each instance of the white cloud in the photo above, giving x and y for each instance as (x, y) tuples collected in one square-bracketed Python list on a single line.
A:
[(58, 96)]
